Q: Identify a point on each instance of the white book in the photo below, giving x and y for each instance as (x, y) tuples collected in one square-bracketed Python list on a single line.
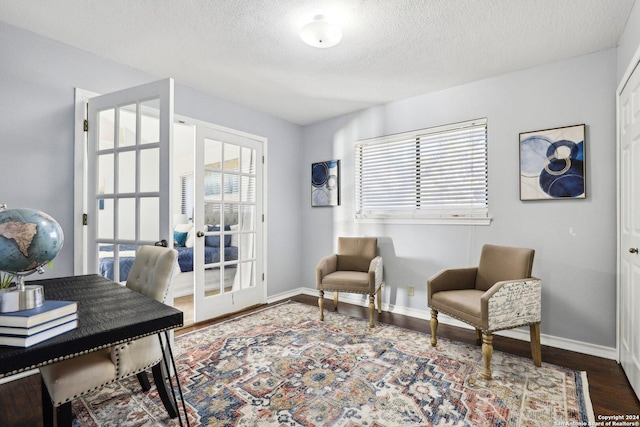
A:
[(10, 330), (28, 341)]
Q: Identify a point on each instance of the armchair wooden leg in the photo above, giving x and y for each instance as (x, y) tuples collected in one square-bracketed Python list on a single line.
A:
[(434, 327), (478, 337), (379, 300), (536, 351), (321, 304), (372, 310), (487, 353), (335, 301)]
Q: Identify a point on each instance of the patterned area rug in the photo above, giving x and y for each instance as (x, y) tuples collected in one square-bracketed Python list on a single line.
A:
[(282, 367)]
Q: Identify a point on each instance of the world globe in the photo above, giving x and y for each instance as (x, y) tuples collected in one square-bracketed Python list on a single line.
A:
[(29, 239)]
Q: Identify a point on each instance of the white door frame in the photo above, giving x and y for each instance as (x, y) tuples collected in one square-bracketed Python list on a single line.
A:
[(635, 63), (80, 184), (80, 180)]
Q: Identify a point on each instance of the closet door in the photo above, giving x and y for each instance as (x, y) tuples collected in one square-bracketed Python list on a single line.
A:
[(129, 170), (629, 229)]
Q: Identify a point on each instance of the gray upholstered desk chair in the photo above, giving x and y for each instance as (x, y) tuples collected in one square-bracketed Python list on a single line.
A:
[(355, 269), (498, 294), (151, 275)]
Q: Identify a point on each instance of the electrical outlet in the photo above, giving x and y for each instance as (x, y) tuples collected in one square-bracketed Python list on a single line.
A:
[(410, 291)]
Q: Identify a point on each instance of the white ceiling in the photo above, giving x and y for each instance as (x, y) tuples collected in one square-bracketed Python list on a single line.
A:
[(249, 51)]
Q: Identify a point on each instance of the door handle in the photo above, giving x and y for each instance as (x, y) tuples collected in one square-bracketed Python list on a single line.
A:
[(200, 234), (633, 250)]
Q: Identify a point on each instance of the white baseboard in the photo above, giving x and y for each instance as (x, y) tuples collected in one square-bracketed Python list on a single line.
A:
[(518, 333)]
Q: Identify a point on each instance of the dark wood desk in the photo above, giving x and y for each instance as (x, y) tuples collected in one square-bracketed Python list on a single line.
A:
[(108, 314)]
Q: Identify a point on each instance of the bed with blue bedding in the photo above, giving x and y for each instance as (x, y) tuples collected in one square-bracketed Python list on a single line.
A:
[(212, 252)]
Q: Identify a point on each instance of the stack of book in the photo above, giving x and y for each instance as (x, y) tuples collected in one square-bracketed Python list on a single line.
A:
[(28, 327)]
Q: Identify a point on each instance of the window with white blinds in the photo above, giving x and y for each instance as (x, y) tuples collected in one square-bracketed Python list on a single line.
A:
[(186, 195), (435, 173)]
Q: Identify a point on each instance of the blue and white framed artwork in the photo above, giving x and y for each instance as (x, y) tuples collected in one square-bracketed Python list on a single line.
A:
[(325, 183), (552, 164)]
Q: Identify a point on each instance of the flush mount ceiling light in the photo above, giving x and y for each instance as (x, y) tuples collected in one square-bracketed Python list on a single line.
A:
[(321, 33)]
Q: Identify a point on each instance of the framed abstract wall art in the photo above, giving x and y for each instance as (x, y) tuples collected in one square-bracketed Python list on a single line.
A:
[(552, 164), (325, 183)]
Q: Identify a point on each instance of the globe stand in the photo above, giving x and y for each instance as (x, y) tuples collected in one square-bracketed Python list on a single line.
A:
[(22, 297)]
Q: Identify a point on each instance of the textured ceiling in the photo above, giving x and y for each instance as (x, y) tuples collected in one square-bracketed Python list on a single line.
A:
[(249, 51)]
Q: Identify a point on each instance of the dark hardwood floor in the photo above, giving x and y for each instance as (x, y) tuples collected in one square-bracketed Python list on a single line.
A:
[(610, 391)]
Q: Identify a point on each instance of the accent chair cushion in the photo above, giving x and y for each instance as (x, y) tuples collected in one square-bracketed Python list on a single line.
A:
[(356, 253), (498, 263), (347, 281), (463, 304)]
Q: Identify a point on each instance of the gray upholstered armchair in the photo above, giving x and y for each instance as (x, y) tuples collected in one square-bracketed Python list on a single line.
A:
[(354, 269), (498, 294), (151, 275)]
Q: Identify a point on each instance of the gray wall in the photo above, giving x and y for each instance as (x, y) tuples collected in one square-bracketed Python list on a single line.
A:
[(575, 240), (629, 41), (37, 81)]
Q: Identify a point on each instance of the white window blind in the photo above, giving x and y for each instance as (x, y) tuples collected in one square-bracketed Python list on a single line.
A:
[(186, 195), (431, 173)]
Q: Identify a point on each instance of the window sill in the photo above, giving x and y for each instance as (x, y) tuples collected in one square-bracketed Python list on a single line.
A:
[(427, 221)]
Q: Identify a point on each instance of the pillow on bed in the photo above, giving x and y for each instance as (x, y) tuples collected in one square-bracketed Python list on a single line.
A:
[(214, 241), (180, 238), (185, 228)]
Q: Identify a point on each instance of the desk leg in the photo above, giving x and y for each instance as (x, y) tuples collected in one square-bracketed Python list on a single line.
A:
[(174, 402), (62, 414), (47, 406)]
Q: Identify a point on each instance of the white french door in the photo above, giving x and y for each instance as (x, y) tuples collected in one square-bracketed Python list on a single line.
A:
[(629, 229), (228, 222), (129, 175)]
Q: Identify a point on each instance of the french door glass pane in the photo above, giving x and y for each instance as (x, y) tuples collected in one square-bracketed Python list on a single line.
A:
[(248, 275), (150, 170), (106, 125), (105, 174), (126, 218), (212, 185), (231, 188), (229, 275), (231, 214), (105, 219), (212, 154), (248, 189), (248, 222), (247, 248), (149, 218), (127, 126), (212, 280), (231, 158), (127, 172), (149, 122), (212, 213), (248, 161)]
